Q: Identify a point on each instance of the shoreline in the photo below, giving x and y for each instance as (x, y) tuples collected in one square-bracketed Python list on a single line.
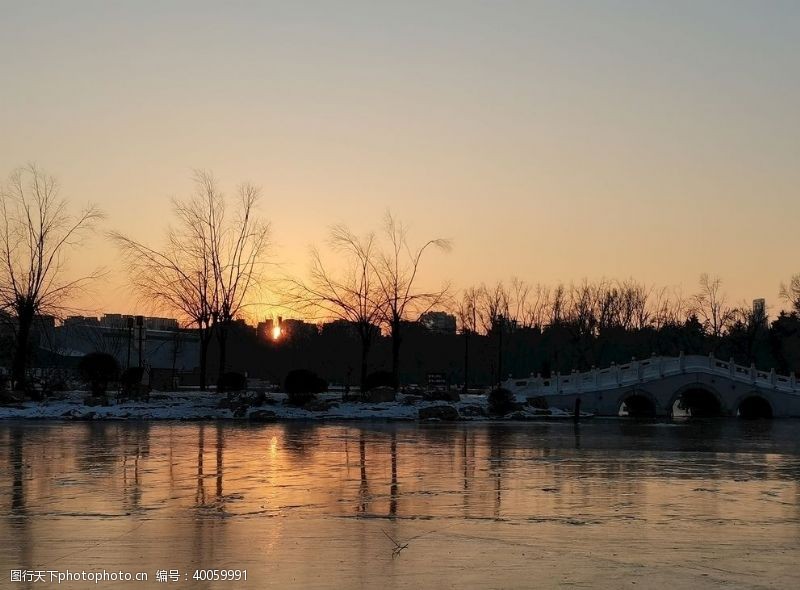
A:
[(248, 407)]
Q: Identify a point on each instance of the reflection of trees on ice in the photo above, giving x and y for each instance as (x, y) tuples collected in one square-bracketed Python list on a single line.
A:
[(200, 495), (363, 489), (393, 488)]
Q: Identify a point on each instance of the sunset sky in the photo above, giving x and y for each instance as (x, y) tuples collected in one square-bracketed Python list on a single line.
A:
[(549, 140)]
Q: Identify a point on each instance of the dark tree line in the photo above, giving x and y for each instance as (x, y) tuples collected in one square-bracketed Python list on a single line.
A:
[(592, 324), (524, 329)]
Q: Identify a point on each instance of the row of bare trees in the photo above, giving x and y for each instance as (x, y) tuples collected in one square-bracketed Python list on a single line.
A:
[(205, 271), (593, 307), (213, 263), (589, 310), (210, 265)]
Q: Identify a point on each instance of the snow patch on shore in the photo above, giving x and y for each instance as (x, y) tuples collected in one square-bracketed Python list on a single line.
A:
[(198, 405)]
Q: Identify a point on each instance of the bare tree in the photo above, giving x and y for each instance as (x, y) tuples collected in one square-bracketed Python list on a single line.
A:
[(711, 307), (494, 311), (467, 313), (538, 307), (748, 325), (558, 305), (791, 292), (581, 318), (608, 303), (238, 246), (397, 270), (37, 234), (582, 309), (176, 278), (668, 309), (209, 264), (519, 309), (352, 295), (635, 308)]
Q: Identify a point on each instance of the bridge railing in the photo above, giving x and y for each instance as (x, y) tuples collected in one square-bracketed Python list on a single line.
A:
[(656, 367)]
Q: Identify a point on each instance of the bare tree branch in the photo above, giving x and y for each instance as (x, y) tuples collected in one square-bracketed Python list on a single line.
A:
[(37, 234), (396, 269), (208, 265)]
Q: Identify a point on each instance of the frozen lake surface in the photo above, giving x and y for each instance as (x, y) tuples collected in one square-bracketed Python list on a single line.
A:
[(602, 504)]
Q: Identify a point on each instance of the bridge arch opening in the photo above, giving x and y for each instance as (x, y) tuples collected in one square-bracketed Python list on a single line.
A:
[(755, 407), (697, 402), (637, 406)]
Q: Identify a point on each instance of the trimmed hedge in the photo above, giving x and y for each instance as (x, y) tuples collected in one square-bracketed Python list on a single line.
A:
[(501, 402), (378, 379), (97, 369), (302, 385)]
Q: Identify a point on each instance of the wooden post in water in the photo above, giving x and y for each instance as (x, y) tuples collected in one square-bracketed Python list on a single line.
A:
[(577, 413)]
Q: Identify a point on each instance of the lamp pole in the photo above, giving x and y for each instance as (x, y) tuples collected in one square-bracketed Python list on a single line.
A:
[(140, 325)]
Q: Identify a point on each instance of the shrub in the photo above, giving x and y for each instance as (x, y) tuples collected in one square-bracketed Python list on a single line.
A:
[(131, 377), (300, 398), (97, 369), (131, 382), (232, 381), (539, 402), (501, 402), (53, 381), (378, 379), (302, 386)]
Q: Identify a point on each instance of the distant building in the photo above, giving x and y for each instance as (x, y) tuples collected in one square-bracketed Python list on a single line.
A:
[(44, 329), (339, 328), (79, 320), (158, 342), (117, 320), (298, 329), (760, 311), (42, 332), (439, 322), (343, 328)]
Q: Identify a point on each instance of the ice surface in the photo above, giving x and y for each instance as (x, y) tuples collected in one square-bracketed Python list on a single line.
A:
[(602, 504)]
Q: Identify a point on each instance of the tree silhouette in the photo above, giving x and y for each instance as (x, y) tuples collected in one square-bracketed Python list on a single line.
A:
[(397, 270), (208, 265), (37, 232), (467, 313), (494, 306), (711, 307), (237, 247), (352, 294), (791, 292)]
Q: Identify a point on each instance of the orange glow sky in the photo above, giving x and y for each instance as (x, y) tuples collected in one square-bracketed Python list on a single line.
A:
[(552, 141)]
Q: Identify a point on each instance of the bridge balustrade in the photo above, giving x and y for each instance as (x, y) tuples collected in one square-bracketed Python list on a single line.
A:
[(651, 369)]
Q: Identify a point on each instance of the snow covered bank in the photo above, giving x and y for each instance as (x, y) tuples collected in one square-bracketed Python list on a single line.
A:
[(206, 406)]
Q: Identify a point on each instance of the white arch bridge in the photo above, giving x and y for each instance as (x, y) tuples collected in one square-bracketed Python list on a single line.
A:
[(666, 386)]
